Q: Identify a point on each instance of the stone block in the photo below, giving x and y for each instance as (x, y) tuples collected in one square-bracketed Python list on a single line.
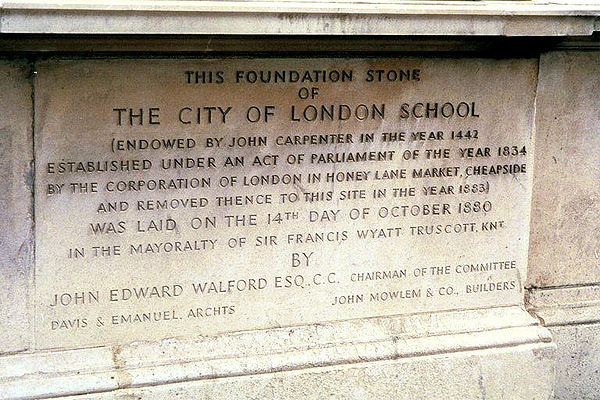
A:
[(182, 197), (565, 235), (16, 206)]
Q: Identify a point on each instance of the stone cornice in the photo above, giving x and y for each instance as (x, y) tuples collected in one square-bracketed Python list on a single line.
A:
[(372, 17)]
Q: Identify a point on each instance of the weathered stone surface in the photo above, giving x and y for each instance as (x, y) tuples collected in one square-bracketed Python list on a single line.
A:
[(572, 314), (341, 236), (577, 361), (565, 233), (490, 18), (504, 374), (16, 206), (500, 353)]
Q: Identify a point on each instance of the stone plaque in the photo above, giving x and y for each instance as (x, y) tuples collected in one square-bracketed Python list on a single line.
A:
[(184, 197)]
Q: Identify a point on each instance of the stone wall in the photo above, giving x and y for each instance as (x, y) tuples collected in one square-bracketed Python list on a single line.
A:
[(563, 292), (564, 255)]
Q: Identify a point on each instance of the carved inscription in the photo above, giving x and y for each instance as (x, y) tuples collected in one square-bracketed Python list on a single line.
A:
[(182, 197)]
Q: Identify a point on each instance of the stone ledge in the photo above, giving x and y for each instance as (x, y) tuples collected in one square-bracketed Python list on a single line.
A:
[(565, 305), (517, 373), (470, 18), (498, 7), (142, 364)]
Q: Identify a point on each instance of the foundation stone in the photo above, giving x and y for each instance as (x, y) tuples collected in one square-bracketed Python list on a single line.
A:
[(185, 197)]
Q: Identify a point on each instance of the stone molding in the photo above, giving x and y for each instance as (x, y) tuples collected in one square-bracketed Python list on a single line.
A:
[(572, 314), (565, 305), (443, 18), (144, 364)]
